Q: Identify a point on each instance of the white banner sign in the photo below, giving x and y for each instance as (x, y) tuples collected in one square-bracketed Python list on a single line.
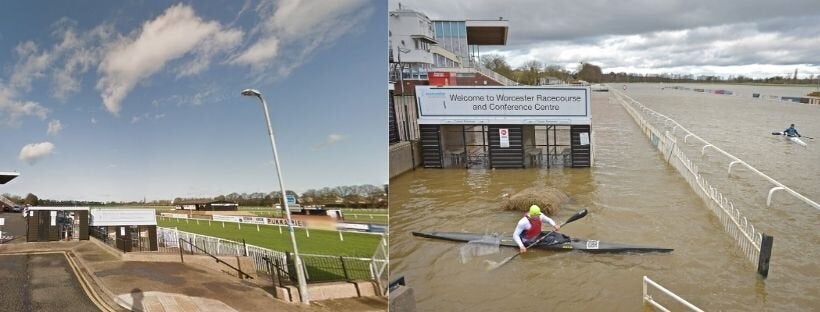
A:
[(503, 105), (227, 218), (2, 221), (584, 138), (504, 134), (174, 215)]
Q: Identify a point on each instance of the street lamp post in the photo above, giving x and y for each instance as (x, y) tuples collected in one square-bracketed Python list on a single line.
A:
[(298, 261)]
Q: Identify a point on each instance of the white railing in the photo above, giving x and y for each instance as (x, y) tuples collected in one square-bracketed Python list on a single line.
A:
[(494, 76), (7, 201), (749, 240), (168, 241), (647, 298), (378, 266), (706, 145)]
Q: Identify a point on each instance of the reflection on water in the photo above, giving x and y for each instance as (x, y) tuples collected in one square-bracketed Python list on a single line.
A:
[(633, 197)]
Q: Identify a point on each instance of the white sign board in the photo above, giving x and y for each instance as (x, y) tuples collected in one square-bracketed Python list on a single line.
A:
[(53, 218), (503, 105), (504, 134), (584, 138), (122, 231), (227, 218), (2, 221)]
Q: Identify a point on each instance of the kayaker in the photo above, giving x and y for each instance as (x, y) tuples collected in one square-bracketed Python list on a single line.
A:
[(791, 131), (528, 228)]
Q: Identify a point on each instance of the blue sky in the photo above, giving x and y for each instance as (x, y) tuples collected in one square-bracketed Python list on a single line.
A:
[(120, 100)]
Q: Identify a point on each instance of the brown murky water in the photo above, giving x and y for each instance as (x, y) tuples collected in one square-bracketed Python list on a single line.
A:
[(633, 197)]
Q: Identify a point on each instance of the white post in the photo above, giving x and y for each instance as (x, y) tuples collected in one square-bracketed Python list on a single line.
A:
[(340, 236), (239, 225), (280, 229), (223, 224), (307, 231), (257, 227)]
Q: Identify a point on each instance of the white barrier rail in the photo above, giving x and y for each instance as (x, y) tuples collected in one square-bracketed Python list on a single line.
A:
[(168, 241), (734, 160), (647, 298), (755, 245)]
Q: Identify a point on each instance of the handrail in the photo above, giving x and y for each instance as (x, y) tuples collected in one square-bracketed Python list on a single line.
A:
[(732, 157), (212, 256), (648, 298)]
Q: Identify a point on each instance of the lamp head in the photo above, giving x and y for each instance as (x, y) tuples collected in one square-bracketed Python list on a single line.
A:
[(251, 92)]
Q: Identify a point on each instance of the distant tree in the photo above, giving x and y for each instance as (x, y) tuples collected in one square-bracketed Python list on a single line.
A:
[(498, 64), (590, 73), (32, 200)]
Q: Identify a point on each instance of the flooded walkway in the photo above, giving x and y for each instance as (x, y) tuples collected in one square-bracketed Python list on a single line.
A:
[(632, 195)]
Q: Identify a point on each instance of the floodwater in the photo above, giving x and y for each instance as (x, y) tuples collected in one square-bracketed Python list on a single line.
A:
[(634, 197)]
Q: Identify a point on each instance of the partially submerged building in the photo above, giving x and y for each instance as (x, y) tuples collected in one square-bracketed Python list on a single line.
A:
[(504, 127)]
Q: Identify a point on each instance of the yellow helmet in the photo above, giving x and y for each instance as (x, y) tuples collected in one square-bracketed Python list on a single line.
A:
[(535, 210)]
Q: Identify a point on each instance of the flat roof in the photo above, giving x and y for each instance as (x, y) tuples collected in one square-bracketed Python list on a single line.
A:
[(487, 32), (122, 216), (58, 208), (5, 177)]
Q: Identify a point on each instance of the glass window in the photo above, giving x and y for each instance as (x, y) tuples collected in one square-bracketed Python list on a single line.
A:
[(438, 30)]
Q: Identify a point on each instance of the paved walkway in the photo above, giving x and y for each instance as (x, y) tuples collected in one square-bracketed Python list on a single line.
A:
[(161, 286)]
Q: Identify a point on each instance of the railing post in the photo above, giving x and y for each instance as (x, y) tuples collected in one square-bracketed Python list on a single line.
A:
[(181, 258), (765, 255), (245, 247), (344, 268)]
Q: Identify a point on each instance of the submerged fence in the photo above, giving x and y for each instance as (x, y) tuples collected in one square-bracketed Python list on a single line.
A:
[(317, 268), (647, 297), (756, 246)]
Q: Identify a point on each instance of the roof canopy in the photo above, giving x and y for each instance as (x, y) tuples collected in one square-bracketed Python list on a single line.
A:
[(122, 217), (487, 32), (5, 177), (58, 208)]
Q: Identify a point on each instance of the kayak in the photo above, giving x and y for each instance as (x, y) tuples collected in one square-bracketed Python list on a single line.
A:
[(792, 138), (797, 140), (565, 244)]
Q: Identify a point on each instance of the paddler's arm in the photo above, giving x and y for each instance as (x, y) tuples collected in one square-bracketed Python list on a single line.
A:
[(520, 227), (546, 219)]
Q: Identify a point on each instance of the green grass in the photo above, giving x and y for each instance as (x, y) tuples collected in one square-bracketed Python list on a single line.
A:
[(320, 242), (351, 214)]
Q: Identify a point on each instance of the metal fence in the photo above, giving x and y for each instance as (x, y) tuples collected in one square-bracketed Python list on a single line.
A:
[(379, 264), (318, 268), (647, 298), (755, 245)]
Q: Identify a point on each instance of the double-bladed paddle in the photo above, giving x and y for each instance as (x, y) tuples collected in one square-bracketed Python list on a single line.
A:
[(802, 136), (578, 215)]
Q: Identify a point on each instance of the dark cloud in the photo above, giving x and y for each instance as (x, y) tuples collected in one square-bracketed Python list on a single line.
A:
[(651, 35)]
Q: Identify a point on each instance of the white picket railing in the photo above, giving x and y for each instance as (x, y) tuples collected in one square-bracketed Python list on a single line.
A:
[(647, 298), (749, 240), (168, 241)]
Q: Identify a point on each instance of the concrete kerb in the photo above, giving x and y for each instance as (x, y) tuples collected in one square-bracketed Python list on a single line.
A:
[(112, 298)]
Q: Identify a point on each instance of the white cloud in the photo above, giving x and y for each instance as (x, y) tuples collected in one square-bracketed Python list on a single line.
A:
[(331, 139), (172, 35), (93, 120), (31, 153), (299, 28), (54, 127), (136, 119)]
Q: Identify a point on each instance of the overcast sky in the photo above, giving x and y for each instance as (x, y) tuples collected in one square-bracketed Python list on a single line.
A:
[(121, 100), (757, 38)]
